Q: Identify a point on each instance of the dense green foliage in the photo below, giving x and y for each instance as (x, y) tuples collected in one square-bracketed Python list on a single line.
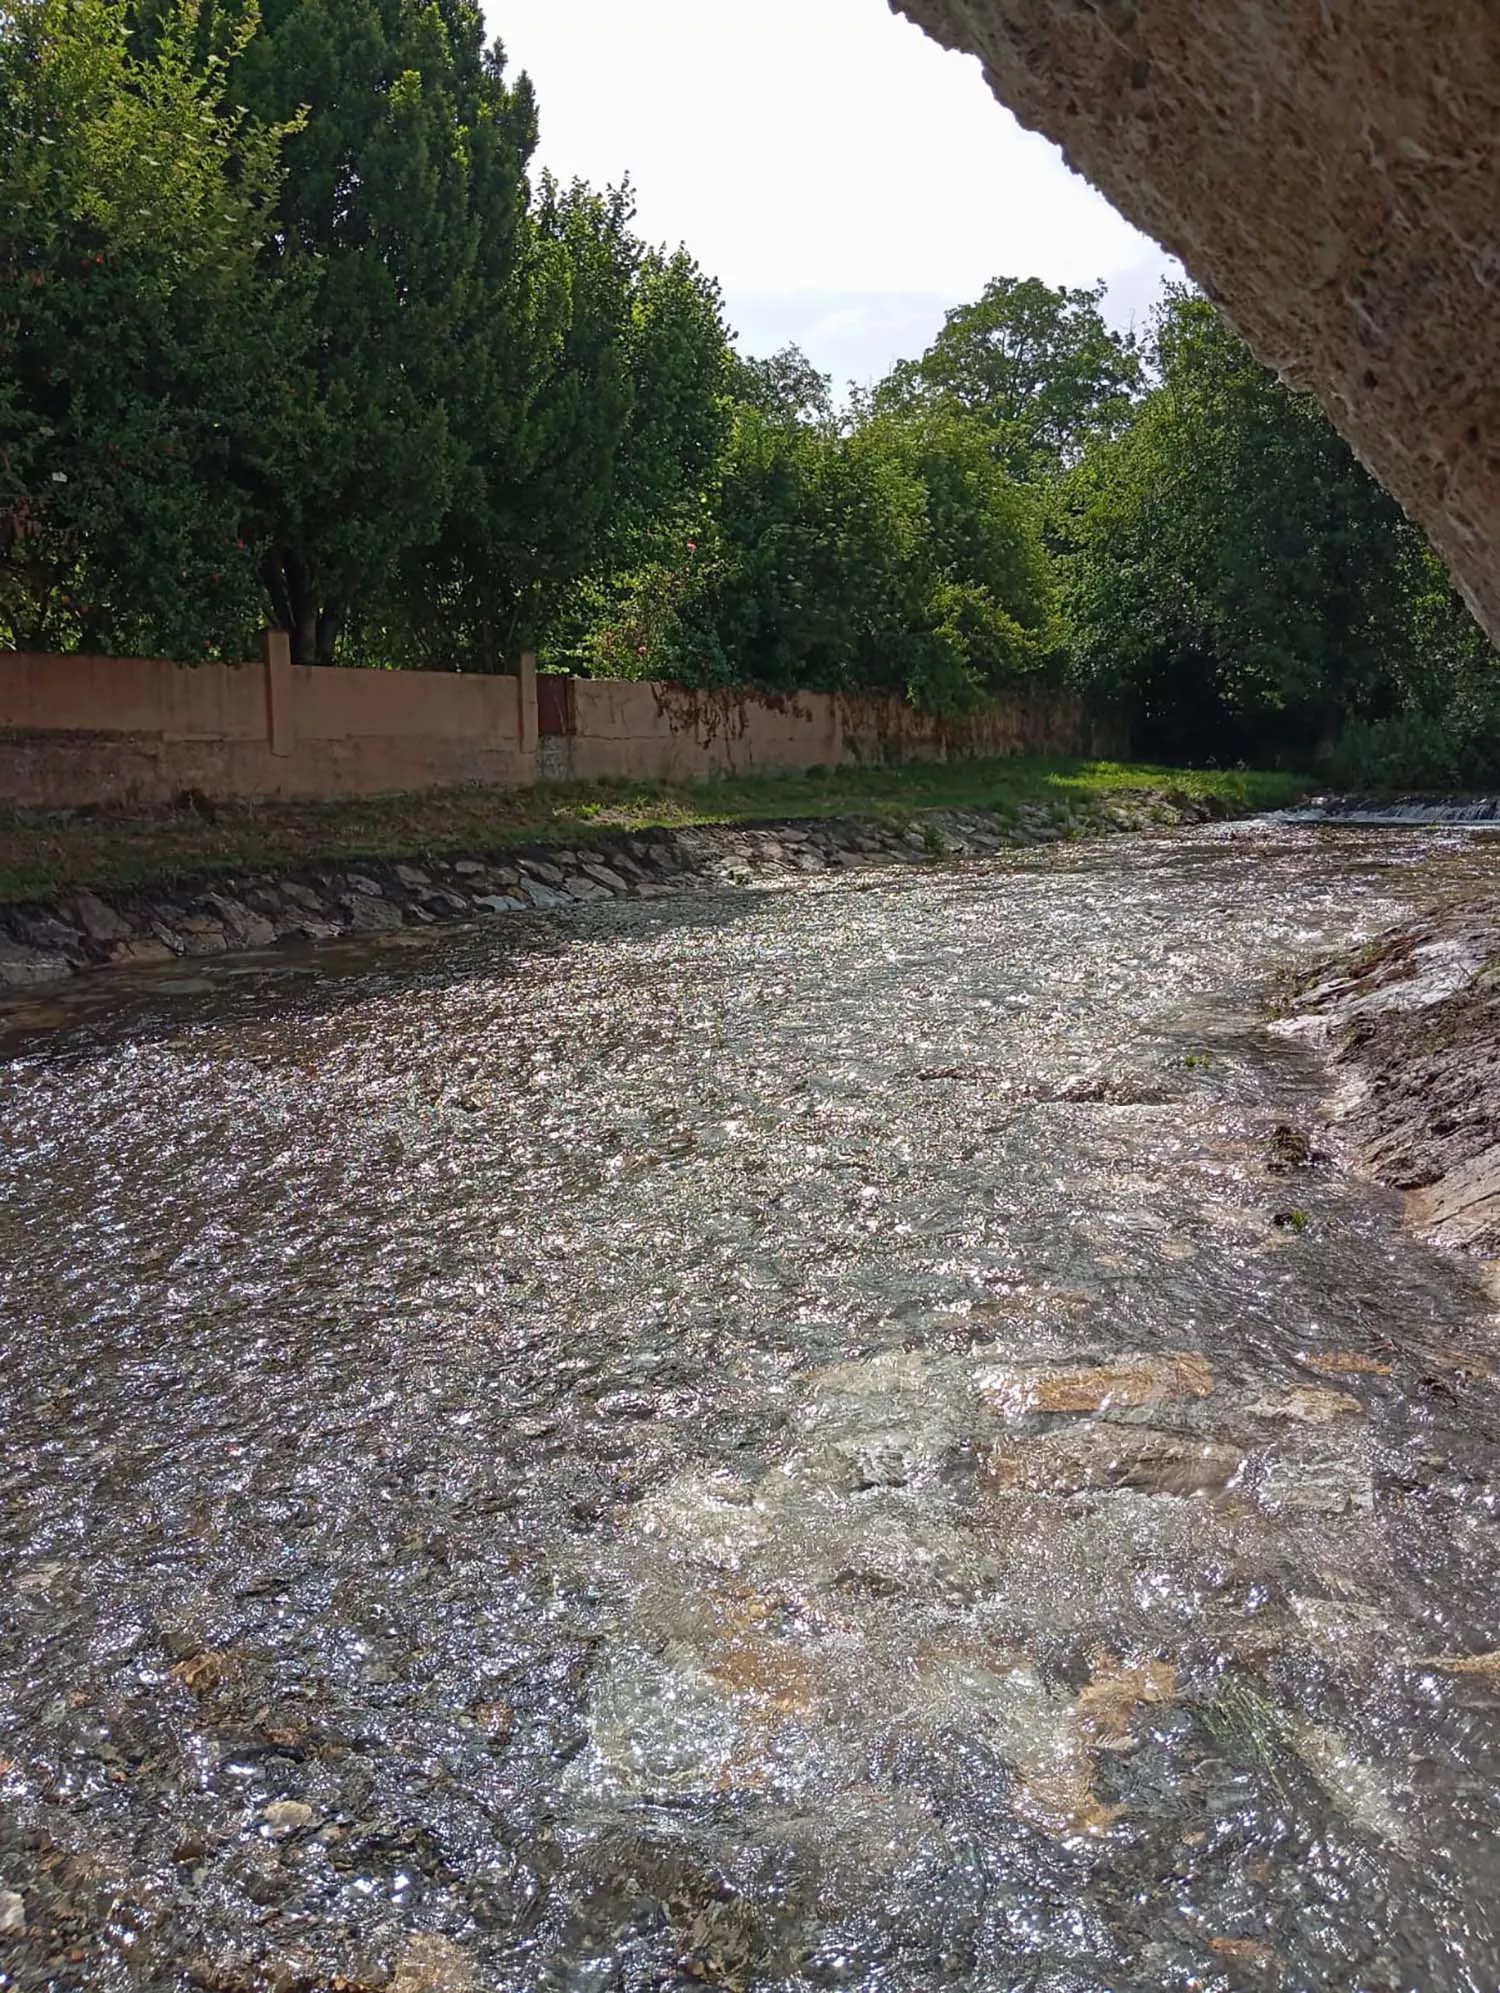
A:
[(894, 556), (399, 263), (290, 329), (131, 361), (1038, 367), (1235, 576)]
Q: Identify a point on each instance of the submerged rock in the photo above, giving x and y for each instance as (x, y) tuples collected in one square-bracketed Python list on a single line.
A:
[(1102, 1456), (288, 1816), (1124, 1382), (1309, 1405), (1288, 1149)]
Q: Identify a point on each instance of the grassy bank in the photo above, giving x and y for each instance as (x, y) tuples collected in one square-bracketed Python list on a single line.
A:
[(42, 857)]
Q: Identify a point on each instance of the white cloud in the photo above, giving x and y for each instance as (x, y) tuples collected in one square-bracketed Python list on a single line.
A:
[(820, 157)]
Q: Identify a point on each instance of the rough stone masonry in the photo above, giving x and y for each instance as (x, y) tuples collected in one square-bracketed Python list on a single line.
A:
[(1329, 171), (44, 944)]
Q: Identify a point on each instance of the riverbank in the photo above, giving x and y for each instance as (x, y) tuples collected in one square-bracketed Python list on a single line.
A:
[(87, 891), (1413, 1028)]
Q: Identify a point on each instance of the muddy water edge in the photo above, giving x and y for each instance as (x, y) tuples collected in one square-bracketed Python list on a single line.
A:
[(812, 1437)]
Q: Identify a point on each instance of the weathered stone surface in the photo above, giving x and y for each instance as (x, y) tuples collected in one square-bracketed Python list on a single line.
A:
[(603, 876), (1418, 1021), (1329, 171), (585, 889), (98, 921), (50, 934), (22, 968), (200, 936), (143, 949), (369, 916), (1127, 1383), (539, 868), (41, 944), (544, 897), (247, 928)]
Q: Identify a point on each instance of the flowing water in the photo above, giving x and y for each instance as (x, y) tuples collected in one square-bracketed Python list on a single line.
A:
[(785, 1440)]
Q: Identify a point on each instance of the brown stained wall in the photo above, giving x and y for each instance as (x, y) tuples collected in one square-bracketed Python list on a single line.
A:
[(333, 705), (105, 731), (637, 730), (55, 771), (646, 732)]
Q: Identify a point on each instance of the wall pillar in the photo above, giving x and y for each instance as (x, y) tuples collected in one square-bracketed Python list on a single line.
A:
[(526, 721), (281, 721)]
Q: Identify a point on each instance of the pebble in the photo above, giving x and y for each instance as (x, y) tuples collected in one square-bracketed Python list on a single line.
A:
[(287, 1816)]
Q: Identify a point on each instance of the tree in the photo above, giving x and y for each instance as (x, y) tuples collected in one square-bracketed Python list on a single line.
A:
[(682, 376), (132, 208), (1039, 367), (1233, 572), (542, 415), (786, 384), (590, 468), (401, 258), (983, 594), (899, 557)]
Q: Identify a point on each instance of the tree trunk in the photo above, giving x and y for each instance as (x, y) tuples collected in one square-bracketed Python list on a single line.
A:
[(330, 623), (293, 603)]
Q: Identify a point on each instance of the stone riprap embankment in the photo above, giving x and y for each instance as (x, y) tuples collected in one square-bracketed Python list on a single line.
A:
[(234, 912), (1413, 1025)]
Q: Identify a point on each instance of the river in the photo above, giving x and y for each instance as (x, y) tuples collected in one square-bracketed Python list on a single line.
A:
[(785, 1440)]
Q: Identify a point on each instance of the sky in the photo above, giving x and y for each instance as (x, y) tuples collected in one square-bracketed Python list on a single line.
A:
[(846, 180)]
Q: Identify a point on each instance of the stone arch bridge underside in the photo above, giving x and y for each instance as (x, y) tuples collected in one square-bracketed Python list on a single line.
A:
[(1329, 171)]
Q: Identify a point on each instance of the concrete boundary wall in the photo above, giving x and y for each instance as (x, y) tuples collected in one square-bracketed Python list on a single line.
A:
[(638, 730), (97, 731)]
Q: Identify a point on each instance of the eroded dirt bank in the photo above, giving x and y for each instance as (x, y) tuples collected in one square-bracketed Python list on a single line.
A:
[(1413, 1024)]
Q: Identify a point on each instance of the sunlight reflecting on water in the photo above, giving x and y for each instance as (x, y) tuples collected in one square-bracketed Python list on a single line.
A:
[(775, 1441)]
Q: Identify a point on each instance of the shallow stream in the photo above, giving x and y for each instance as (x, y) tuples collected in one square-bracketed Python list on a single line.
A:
[(780, 1440)]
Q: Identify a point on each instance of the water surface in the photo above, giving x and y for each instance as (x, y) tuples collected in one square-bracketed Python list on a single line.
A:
[(783, 1440)]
